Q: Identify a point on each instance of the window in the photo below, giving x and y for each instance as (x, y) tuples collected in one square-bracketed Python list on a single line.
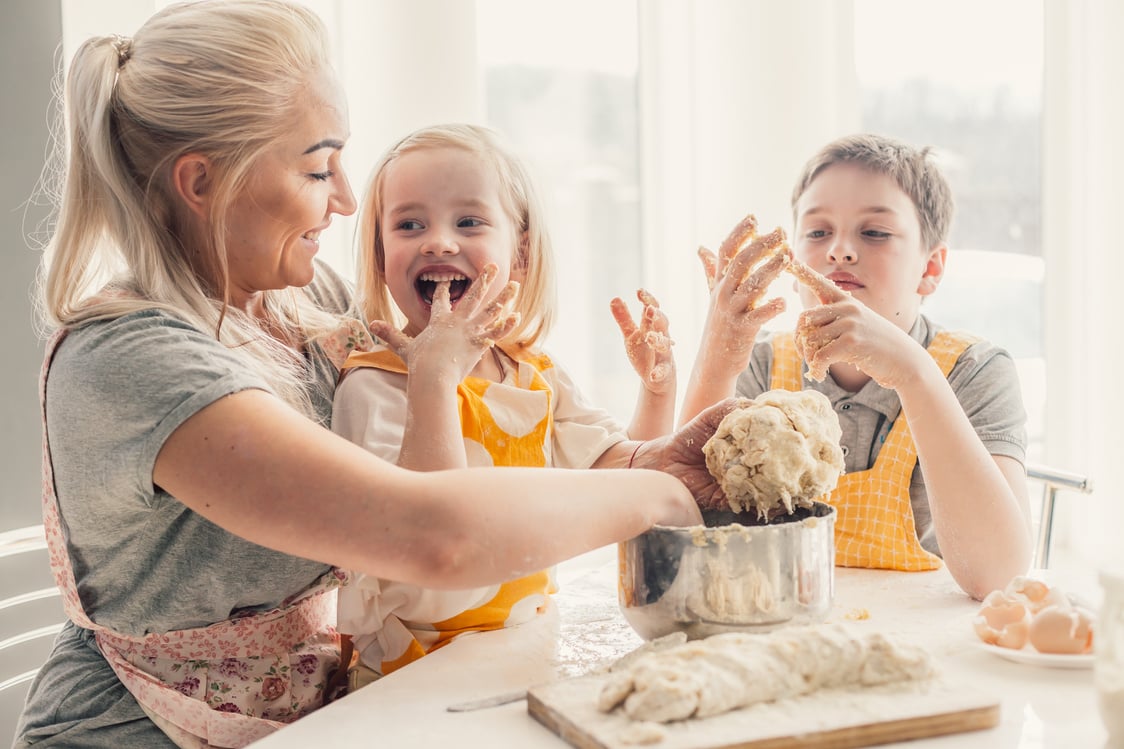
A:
[(567, 100), (980, 104), (964, 76)]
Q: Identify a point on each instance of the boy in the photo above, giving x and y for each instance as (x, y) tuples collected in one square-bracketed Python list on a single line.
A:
[(933, 422)]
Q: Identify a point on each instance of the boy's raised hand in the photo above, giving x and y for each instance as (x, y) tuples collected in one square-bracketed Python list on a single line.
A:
[(738, 277), (843, 329), (455, 337), (648, 344)]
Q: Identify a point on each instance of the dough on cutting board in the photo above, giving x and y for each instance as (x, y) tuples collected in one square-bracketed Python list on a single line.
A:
[(779, 452), (729, 671)]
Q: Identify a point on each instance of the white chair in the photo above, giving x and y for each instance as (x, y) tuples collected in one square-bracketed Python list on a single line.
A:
[(31, 614), (1052, 480)]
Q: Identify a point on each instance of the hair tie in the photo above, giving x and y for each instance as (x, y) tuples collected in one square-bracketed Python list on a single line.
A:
[(124, 47)]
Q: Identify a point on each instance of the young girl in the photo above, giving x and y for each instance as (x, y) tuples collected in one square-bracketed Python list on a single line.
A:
[(453, 240)]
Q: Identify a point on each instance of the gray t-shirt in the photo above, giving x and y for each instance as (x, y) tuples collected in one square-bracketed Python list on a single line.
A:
[(984, 380), (144, 562)]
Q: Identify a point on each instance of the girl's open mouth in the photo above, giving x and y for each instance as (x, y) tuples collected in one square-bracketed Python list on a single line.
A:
[(427, 285)]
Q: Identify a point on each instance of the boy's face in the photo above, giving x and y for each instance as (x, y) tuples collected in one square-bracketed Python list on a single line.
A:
[(858, 228)]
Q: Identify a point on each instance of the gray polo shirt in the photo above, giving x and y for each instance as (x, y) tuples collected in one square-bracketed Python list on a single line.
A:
[(984, 380)]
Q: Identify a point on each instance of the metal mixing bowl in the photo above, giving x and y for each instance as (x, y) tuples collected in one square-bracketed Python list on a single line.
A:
[(731, 575)]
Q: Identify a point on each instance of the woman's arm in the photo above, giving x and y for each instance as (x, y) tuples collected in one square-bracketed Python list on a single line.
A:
[(679, 453), (257, 468)]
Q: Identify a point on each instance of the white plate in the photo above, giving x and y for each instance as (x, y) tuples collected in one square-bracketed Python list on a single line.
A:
[(1032, 657)]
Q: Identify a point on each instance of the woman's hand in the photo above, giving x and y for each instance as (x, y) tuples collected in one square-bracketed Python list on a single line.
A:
[(648, 344), (456, 337), (681, 455)]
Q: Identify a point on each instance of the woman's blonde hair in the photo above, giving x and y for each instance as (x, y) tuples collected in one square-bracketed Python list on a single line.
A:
[(221, 78), (536, 299)]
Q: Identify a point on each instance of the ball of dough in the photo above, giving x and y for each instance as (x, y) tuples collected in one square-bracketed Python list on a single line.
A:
[(777, 453)]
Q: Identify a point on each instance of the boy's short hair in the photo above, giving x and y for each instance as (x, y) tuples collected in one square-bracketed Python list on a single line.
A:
[(913, 169)]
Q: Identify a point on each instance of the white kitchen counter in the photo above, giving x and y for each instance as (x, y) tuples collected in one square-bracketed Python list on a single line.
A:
[(1041, 707)]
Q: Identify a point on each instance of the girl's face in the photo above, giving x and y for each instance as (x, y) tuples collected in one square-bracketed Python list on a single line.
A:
[(860, 229), (443, 219), (274, 224)]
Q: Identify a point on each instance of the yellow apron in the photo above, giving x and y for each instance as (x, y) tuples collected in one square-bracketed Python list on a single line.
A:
[(874, 523), (485, 408)]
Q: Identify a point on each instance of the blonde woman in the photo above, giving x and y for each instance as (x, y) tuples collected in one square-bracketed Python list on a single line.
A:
[(187, 387)]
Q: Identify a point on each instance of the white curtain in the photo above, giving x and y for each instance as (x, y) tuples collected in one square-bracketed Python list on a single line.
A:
[(404, 65), (734, 96), (1082, 201)]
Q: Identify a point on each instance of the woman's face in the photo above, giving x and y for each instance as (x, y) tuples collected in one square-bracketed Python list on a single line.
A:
[(274, 225)]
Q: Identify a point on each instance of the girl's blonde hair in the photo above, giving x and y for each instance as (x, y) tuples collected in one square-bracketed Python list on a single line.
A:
[(222, 78), (536, 299)]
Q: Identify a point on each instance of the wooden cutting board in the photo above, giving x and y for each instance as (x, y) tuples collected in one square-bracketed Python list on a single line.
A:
[(828, 719)]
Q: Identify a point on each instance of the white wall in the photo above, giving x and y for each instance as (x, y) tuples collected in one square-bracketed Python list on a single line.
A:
[(28, 37), (1083, 195)]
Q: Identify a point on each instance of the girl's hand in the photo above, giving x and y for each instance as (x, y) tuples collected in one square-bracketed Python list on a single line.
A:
[(456, 337), (738, 278), (648, 344), (844, 330)]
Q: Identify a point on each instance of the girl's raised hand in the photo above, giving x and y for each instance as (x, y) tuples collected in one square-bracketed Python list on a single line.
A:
[(648, 344), (738, 277), (455, 337)]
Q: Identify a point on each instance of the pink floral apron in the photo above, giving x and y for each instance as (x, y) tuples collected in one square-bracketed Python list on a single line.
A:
[(224, 685)]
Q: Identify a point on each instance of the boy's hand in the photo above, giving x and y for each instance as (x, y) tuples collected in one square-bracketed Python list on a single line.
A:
[(648, 344), (843, 329), (455, 338), (738, 279)]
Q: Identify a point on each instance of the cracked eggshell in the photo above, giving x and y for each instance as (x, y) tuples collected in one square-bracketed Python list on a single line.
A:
[(1062, 630), (1036, 594), (1002, 620)]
